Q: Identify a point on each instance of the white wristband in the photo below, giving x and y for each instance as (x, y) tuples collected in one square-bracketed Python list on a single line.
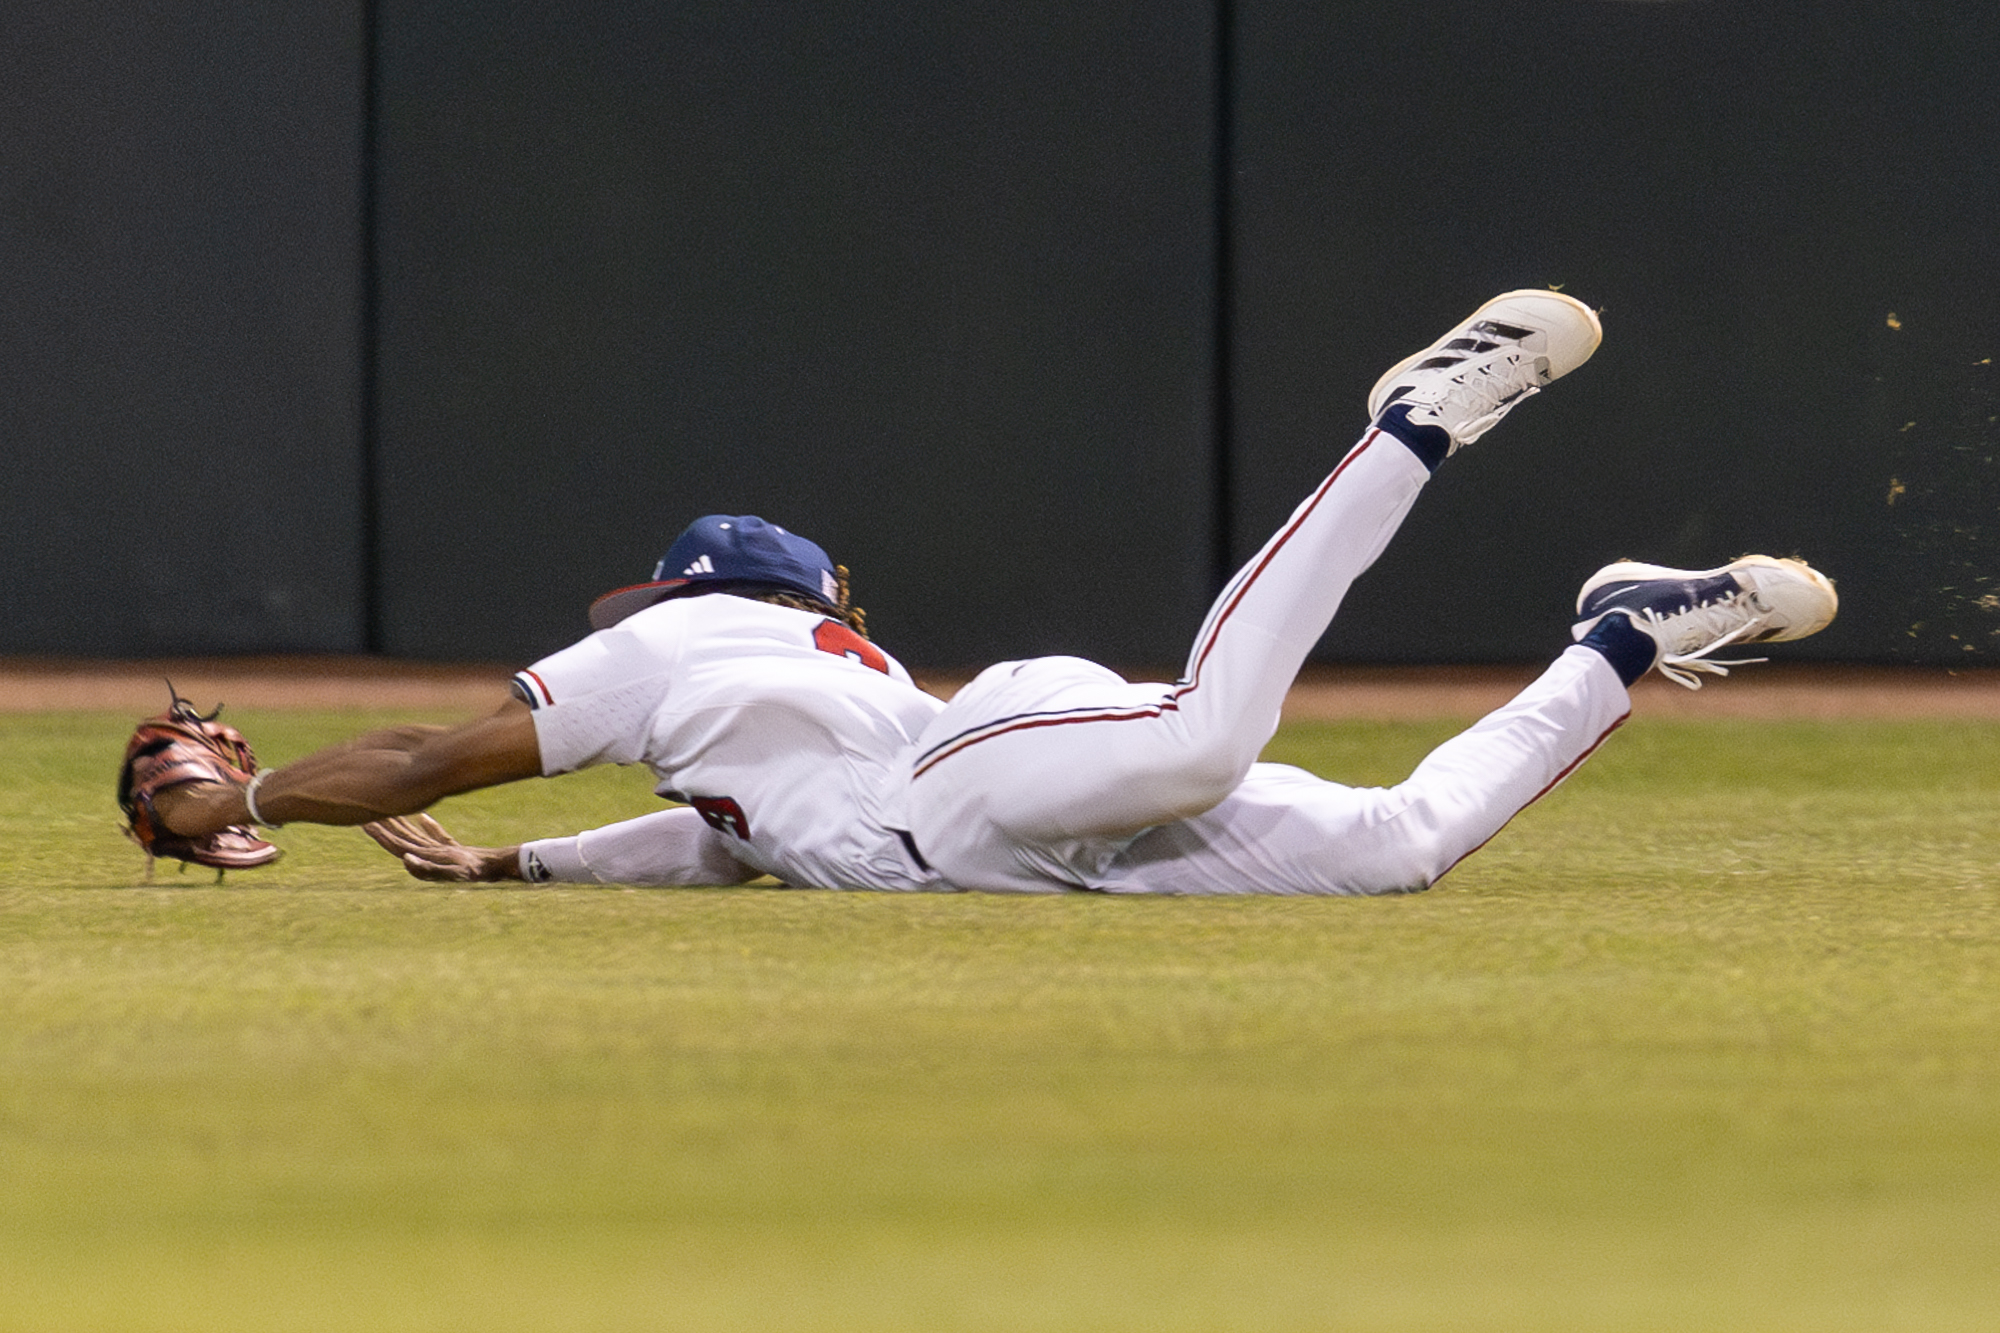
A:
[(250, 800)]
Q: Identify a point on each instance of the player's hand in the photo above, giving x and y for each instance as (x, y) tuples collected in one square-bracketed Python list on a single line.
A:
[(430, 853)]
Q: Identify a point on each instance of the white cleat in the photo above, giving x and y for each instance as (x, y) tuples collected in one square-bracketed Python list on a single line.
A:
[(1505, 351), (1692, 612)]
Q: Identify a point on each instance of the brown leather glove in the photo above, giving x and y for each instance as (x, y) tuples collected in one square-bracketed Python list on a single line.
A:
[(175, 748)]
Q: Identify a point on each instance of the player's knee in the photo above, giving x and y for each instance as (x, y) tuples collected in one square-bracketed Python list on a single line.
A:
[(1205, 780), (1393, 888), (1409, 861)]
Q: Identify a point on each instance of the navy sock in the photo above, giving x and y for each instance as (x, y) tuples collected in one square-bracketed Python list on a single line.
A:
[(1630, 650), (1429, 443)]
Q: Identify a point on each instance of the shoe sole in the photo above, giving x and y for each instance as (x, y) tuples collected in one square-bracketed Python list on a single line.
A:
[(1635, 571), (1381, 389)]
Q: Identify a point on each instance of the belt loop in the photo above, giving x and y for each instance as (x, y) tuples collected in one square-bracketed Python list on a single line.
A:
[(910, 846)]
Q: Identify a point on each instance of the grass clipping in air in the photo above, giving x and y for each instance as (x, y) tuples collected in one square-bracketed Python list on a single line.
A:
[(1710, 1038)]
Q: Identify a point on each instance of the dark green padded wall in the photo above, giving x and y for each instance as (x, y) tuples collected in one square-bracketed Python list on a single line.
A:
[(180, 332), (929, 284), (939, 287), (1750, 192)]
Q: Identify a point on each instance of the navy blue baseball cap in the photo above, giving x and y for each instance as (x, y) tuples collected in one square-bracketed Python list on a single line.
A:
[(723, 551)]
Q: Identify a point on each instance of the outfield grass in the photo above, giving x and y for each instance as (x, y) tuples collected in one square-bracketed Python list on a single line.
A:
[(1709, 1039)]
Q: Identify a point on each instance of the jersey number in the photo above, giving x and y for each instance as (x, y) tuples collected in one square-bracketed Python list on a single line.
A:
[(722, 814), (830, 636)]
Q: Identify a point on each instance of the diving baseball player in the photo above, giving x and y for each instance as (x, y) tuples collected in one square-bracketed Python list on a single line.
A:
[(801, 750)]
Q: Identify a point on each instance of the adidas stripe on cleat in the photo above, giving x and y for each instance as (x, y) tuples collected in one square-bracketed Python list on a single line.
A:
[(1504, 352), (1691, 613)]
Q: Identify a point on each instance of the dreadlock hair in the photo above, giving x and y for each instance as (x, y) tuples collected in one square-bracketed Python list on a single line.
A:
[(843, 610)]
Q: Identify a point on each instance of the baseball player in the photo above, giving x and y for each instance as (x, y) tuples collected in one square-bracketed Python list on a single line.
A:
[(799, 749)]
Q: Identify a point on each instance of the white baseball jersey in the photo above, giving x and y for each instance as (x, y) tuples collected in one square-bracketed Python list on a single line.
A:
[(808, 754), (786, 732)]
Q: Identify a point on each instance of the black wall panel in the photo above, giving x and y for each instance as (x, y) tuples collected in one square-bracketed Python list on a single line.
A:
[(179, 278), (930, 284), (1790, 216), (937, 287)]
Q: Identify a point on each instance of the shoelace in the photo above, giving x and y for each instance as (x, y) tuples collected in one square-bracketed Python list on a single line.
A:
[(1680, 668), (1479, 388)]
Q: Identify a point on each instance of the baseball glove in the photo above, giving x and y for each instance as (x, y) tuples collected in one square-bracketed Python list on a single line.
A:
[(178, 747)]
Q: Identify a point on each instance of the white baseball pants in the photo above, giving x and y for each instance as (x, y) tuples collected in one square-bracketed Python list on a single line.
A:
[(1056, 773)]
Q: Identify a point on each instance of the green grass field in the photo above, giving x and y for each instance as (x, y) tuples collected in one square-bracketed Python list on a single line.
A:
[(1710, 1039)]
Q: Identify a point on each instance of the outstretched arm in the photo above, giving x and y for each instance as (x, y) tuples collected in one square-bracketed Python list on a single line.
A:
[(396, 771)]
